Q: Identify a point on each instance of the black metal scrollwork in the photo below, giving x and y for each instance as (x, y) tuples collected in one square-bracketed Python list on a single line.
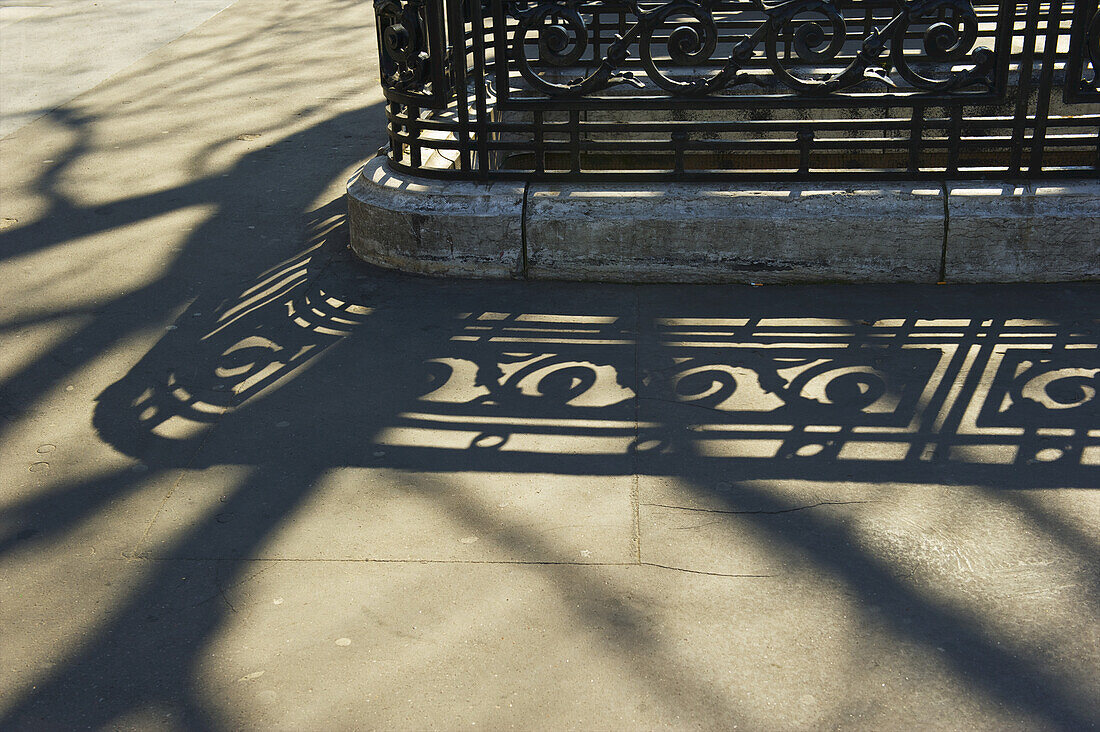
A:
[(944, 44), (1092, 48), (691, 42), (403, 44), (811, 44), (561, 34), (816, 31)]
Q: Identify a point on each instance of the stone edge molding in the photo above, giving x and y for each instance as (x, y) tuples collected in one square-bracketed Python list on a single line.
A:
[(727, 232)]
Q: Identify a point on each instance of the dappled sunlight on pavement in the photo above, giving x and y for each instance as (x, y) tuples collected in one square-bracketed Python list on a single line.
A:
[(248, 481)]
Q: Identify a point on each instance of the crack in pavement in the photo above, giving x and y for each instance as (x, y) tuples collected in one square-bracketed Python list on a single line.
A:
[(711, 574), (782, 510)]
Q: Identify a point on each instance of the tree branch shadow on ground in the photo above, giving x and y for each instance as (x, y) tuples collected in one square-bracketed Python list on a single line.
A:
[(352, 356), (349, 353)]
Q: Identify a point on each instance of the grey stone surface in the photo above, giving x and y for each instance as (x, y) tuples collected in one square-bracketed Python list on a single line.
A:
[(727, 233), (99, 40), (648, 233), (435, 227), (248, 482), (1042, 232), (1030, 232)]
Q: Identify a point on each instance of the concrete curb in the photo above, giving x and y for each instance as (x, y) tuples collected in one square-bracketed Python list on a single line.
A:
[(1045, 231), (435, 227), (731, 233)]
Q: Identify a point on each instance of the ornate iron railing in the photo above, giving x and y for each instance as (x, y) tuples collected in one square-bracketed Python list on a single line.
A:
[(741, 89)]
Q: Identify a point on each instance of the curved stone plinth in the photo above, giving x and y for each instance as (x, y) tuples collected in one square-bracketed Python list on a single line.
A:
[(435, 227), (725, 232)]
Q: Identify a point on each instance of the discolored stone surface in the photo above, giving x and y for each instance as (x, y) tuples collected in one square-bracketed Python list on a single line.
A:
[(731, 233), (1025, 232), (287, 490), (435, 227), (727, 233)]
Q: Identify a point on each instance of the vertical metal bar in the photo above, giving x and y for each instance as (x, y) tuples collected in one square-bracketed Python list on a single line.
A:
[(431, 15), (500, 51), (1075, 64), (575, 140), (597, 28), (1023, 87), (1046, 86), (953, 141), (916, 131), (805, 141), (412, 129), (1002, 45), (481, 117), (540, 146), (396, 151), (456, 44), (679, 138)]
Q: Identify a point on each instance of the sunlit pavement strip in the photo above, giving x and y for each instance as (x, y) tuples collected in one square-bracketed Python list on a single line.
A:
[(54, 51), (246, 482)]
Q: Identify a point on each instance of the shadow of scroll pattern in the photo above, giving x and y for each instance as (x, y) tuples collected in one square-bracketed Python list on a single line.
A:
[(831, 398), (211, 365), (593, 388), (1012, 392)]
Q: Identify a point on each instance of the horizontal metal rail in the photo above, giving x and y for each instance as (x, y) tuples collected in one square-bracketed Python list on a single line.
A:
[(741, 89)]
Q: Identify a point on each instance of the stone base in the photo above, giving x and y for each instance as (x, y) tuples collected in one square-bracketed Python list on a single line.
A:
[(736, 233), (435, 227), (1046, 231)]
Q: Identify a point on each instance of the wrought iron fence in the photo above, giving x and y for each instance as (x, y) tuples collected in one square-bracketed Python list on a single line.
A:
[(741, 89)]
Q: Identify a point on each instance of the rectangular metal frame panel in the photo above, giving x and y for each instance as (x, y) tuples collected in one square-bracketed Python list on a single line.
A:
[(1013, 124)]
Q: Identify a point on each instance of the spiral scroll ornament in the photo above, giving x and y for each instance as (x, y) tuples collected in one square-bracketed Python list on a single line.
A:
[(818, 30), (1051, 387), (404, 53), (705, 386), (945, 43), (561, 36), (840, 386), (690, 43)]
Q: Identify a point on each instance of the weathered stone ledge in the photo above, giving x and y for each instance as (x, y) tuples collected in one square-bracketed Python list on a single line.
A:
[(776, 233)]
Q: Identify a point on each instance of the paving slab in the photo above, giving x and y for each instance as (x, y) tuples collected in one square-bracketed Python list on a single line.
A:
[(100, 40), (287, 490), (1043, 231), (505, 646), (350, 514)]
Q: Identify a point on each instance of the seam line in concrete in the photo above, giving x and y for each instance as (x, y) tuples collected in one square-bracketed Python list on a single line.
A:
[(635, 480), (709, 574), (946, 227), (775, 512), (375, 560), (523, 229), (488, 562), (135, 552)]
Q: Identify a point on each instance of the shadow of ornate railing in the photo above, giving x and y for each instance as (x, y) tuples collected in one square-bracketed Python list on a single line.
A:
[(999, 401), (712, 89), (837, 399)]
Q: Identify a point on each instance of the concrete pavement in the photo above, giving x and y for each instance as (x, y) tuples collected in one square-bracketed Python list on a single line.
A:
[(52, 52), (248, 482)]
